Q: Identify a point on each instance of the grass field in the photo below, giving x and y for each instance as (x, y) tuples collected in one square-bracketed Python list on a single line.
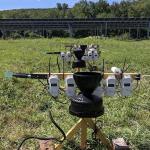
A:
[(23, 102)]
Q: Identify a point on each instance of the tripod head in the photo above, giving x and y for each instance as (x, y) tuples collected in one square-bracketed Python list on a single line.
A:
[(87, 82), (79, 52), (87, 104)]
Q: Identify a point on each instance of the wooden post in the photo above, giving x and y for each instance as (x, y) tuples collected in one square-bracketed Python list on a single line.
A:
[(71, 133), (100, 134), (83, 144)]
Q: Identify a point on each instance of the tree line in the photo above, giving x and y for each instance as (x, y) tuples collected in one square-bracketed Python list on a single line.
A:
[(84, 9)]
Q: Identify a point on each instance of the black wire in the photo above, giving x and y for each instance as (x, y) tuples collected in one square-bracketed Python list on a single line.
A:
[(96, 141), (49, 67), (56, 100), (61, 89), (124, 65), (58, 64), (57, 126), (74, 57), (45, 85), (90, 66), (137, 84), (43, 138), (95, 130), (34, 137), (63, 68), (103, 66), (127, 68), (117, 87), (62, 102)]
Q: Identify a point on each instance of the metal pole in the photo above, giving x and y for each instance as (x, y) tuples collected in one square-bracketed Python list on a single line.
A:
[(137, 33), (148, 31), (97, 34), (101, 30), (43, 33), (105, 29), (118, 32), (129, 32), (3, 36), (70, 30)]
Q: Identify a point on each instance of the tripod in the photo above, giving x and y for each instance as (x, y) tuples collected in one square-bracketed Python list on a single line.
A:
[(82, 125), (86, 106)]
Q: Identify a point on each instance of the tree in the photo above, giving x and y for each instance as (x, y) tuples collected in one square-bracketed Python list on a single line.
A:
[(124, 8), (85, 9), (92, 9), (82, 9), (64, 9), (69, 14), (140, 8), (102, 6), (64, 6), (59, 6), (53, 13)]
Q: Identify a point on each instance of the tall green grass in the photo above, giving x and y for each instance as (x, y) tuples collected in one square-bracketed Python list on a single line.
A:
[(23, 102)]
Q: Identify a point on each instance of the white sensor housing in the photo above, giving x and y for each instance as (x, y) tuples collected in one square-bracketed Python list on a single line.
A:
[(116, 70), (63, 55), (68, 56), (110, 86), (126, 85), (90, 55), (53, 82), (85, 57), (95, 55), (99, 91), (70, 86)]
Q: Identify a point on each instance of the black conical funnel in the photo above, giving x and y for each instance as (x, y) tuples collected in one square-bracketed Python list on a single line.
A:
[(87, 82), (79, 53), (83, 47)]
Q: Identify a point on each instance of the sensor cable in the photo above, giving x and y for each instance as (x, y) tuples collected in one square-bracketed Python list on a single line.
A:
[(44, 138)]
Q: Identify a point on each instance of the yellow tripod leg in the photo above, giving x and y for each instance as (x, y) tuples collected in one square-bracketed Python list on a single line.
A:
[(100, 134), (70, 134), (83, 124), (83, 143)]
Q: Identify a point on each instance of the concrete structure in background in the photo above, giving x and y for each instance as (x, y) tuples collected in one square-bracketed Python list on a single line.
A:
[(100, 26)]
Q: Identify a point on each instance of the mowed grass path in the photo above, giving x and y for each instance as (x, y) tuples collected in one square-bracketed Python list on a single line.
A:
[(24, 103)]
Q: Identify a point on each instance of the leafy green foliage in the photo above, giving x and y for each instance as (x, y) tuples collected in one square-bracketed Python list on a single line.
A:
[(85, 9)]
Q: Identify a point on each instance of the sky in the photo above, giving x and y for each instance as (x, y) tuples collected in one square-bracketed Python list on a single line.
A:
[(17, 4)]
